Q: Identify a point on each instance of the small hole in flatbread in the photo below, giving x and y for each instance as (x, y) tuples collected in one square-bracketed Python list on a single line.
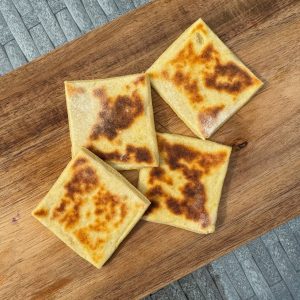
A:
[(199, 38)]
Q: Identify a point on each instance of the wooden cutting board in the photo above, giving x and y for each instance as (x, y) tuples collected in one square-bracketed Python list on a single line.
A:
[(262, 186)]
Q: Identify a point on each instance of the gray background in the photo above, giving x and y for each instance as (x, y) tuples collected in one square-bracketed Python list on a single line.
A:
[(267, 268)]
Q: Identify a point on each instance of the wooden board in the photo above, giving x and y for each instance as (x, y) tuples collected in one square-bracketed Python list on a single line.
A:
[(262, 187)]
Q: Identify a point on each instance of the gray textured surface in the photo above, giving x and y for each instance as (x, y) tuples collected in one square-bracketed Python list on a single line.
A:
[(190, 288), (49, 22), (68, 24), (267, 268), (264, 262), (175, 292), (41, 39), (15, 54), (289, 244), (253, 274), (237, 276), (283, 264), (206, 284), (281, 292), (110, 9), (79, 14), (18, 29), (95, 12), (222, 281), (6, 34), (124, 5), (56, 5), (5, 65), (31, 19)]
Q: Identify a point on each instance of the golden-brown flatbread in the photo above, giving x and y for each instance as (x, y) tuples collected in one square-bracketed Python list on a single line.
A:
[(113, 118), (202, 80), (185, 189), (91, 208)]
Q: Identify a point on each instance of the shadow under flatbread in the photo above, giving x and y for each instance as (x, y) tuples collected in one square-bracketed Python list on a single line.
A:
[(133, 231), (237, 148), (132, 176)]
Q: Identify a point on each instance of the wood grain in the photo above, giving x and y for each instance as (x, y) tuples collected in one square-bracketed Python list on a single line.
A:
[(262, 187)]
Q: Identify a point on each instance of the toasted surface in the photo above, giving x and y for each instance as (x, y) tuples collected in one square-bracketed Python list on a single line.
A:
[(185, 189), (91, 208), (113, 118), (202, 80)]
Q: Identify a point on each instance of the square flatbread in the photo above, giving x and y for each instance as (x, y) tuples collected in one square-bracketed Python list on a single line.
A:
[(202, 80), (113, 118), (91, 208), (185, 189)]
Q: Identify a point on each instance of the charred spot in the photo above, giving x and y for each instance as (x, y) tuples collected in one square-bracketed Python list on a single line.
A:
[(208, 160), (154, 74), (74, 90), (185, 56), (200, 27), (98, 211), (84, 237), (224, 77), (42, 212), (165, 74), (178, 78), (132, 153), (140, 80), (141, 154), (113, 155), (98, 226), (83, 181), (175, 153), (174, 206), (100, 93), (193, 190), (61, 207), (108, 217), (154, 205), (208, 116), (228, 78), (154, 192), (79, 162), (156, 173), (213, 111), (110, 207), (191, 174), (193, 199), (159, 174), (204, 219), (193, 164), (116, 115), (190, 86), (192, 203), (208, 53), (123, 211), (183, 79), (69, 217)]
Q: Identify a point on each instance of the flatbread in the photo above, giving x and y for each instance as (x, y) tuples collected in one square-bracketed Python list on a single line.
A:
[(202, 80), (91, 208), (185, 189), (113, 118)]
